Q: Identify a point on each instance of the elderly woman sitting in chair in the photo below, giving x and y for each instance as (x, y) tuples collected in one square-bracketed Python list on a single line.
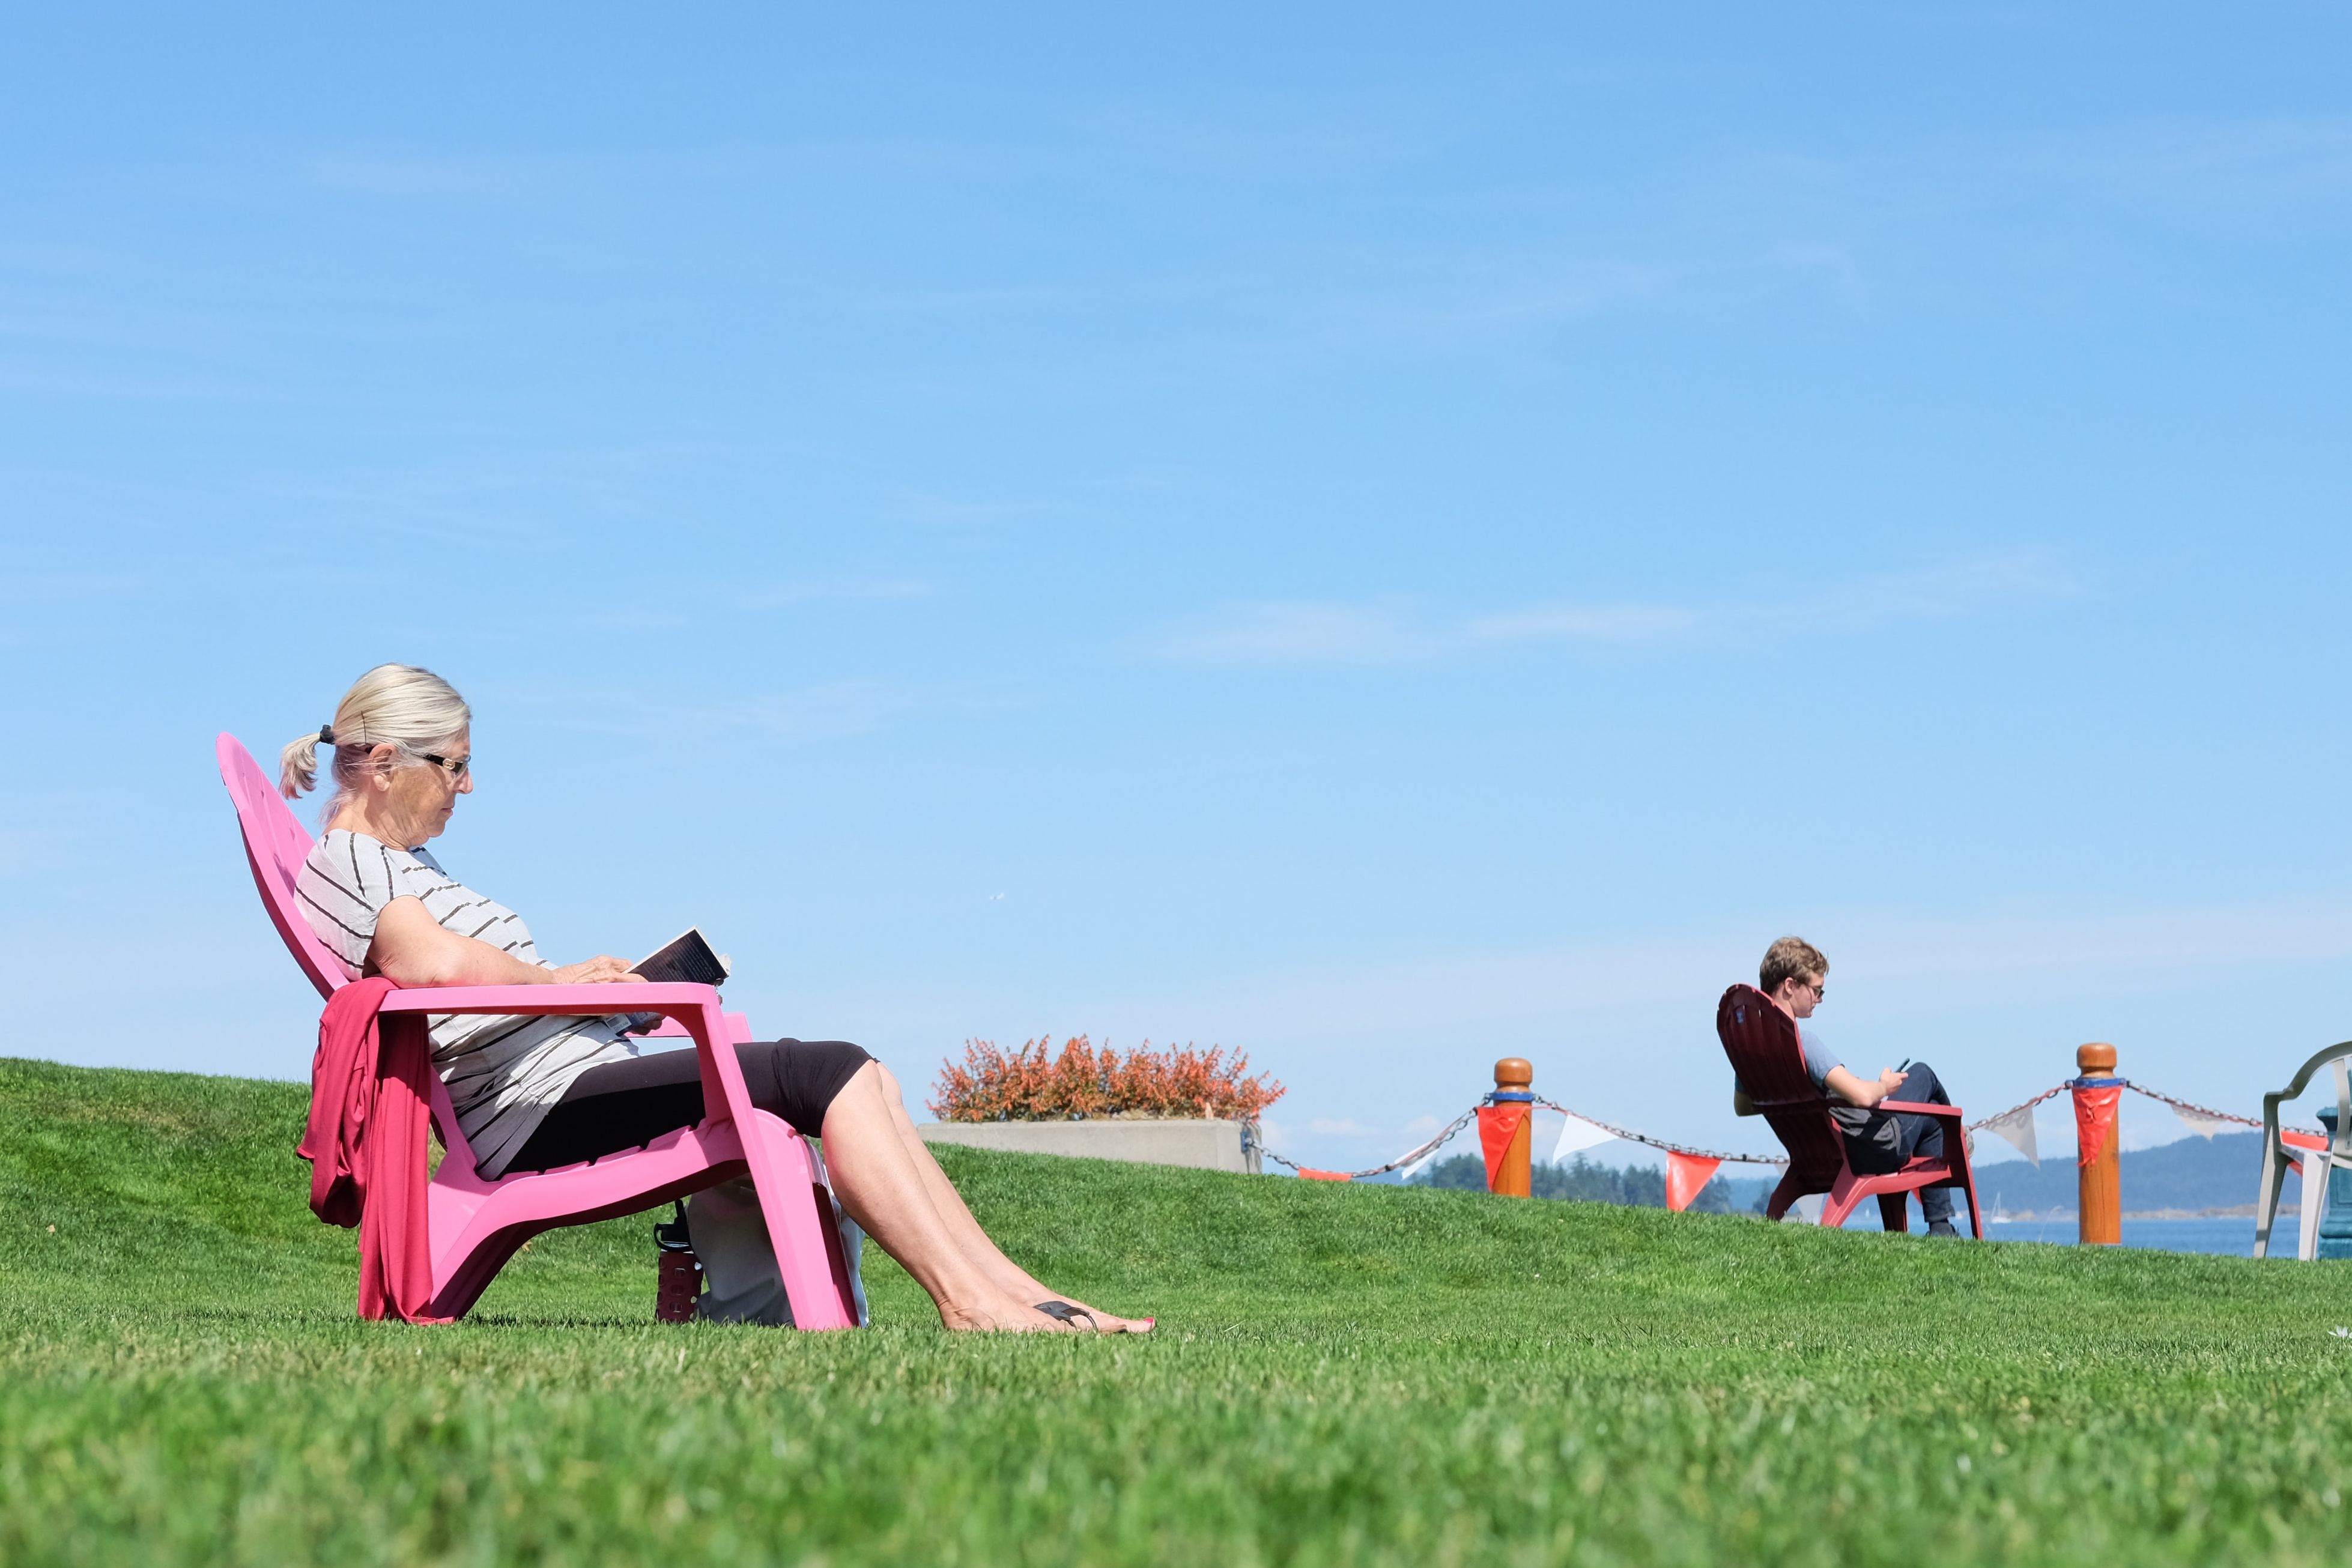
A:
[(533, 1093)]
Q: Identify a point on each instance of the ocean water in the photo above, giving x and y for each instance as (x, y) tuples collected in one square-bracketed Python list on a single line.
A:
[(2232, 1237)]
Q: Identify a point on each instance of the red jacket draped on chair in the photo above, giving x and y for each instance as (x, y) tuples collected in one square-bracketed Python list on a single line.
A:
[(371, 1088)]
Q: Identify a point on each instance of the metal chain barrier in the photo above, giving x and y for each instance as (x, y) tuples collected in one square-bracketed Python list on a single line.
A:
[(1452, 1127), (2013, 1110), (1464, 1120), (1661, 1143), (2185, 1105), (2193, 1109)]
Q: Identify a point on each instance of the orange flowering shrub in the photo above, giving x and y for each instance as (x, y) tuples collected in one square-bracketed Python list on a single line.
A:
[(1033, 1084)]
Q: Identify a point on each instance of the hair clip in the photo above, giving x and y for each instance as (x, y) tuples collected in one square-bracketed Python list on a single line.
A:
[(326, 735)]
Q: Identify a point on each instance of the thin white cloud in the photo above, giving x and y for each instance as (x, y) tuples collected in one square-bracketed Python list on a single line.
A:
[(1618, 623), (1304, 631), (1325, 1127), (18, 381), (825, 710), (1319, 632), (1605, 984), (1276, 1132), (395, 175), (830, 590), (73, 587), (176, 581), (1857, 230), (2221, 168), (1944, 593)]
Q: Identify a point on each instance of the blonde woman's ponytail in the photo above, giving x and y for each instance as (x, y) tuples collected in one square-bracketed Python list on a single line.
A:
[(298, 766), (411, 710)]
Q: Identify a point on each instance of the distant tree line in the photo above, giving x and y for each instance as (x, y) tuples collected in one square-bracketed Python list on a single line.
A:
[(1580, 1181)]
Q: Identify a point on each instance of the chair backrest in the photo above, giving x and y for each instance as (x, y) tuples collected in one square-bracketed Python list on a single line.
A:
[(275, 845), (1761, 1041)]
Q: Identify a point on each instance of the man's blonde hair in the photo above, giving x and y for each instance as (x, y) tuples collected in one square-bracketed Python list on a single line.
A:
[(1789, 958)]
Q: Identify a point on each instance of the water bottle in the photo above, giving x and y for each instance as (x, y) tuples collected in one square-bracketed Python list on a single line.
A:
[(680, 1280)]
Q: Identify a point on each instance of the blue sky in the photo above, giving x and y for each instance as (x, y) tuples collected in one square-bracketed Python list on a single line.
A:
[(1379, 541)]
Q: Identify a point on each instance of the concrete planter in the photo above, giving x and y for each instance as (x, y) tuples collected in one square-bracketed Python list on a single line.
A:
[(1201, 1145)]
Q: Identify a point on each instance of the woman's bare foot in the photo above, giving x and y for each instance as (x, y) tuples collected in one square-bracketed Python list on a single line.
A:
[(1020, 1286), (1110, 1323), (1003, 1316)]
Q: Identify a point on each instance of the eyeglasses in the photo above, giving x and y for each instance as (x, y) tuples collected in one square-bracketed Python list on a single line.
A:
[(457, 767), (1819, 990)]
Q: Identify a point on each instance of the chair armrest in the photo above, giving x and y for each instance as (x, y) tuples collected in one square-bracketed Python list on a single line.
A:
[(1918, 1108), (671, 1000), (2302, 1079), (1811, 1102), (738, 1030), (696, 1008)]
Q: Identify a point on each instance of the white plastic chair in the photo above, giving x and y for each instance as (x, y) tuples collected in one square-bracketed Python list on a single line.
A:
[(2317, 1157)]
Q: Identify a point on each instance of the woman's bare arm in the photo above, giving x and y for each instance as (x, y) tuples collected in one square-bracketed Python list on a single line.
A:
[(410, 949)]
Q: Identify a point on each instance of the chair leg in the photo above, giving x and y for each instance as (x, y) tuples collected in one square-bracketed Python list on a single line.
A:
[(2318, 1167), (473, 1273), (1841, 1201), (1784, 1195), (2266, 1201), (1895, 1211), (785, 1180)]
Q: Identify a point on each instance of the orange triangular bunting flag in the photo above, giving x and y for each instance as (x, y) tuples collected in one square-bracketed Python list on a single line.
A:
[(1687, 1177), (1497, 1124), (2094, 1118)]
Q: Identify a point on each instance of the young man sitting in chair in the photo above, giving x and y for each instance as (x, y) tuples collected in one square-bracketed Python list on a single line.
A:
[(1876, 1142)]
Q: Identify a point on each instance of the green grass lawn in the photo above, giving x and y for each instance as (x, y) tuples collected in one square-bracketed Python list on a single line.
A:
[(1342, 1375)]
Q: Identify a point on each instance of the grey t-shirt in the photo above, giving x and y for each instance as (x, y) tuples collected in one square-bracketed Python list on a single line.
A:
[(1853, 1121)]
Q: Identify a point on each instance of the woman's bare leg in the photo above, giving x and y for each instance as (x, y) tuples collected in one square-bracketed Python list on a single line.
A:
[(886, 1192), (975, 1243)]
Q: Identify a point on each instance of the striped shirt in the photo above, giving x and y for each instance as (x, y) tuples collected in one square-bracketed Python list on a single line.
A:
[(503, 1072)]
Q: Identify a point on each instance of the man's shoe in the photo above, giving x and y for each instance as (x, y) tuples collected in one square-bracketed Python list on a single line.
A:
[(1941, 1228)]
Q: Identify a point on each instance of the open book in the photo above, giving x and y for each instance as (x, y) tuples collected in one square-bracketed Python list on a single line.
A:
[(687, 959)]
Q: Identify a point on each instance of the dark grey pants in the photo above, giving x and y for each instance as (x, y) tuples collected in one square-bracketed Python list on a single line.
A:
[(627, 1105), (1914, 1134)]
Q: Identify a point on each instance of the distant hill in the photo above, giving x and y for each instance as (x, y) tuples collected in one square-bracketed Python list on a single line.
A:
[(2192, 1174), (1579, 1180)]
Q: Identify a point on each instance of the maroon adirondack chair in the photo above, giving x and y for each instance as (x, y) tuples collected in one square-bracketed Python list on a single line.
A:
[(1761, 1041)]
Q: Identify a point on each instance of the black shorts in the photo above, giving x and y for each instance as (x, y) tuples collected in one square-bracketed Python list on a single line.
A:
[(627, 1105)]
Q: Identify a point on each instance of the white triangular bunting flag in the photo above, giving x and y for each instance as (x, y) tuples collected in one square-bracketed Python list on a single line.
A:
[(1543, 1131), (2017, 1129), (2197, 1122), (1579, 1134), (1407, 1172)]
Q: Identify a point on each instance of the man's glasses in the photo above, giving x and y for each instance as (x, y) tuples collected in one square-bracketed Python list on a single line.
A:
[(457, 767), (1819, 990)]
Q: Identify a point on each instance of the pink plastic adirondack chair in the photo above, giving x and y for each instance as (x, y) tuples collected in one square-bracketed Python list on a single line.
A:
[(475, 1224), (1761, 1041)]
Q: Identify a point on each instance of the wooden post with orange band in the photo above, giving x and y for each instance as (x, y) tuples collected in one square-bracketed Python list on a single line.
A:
[(1513, 1176), (2101, 1176)]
